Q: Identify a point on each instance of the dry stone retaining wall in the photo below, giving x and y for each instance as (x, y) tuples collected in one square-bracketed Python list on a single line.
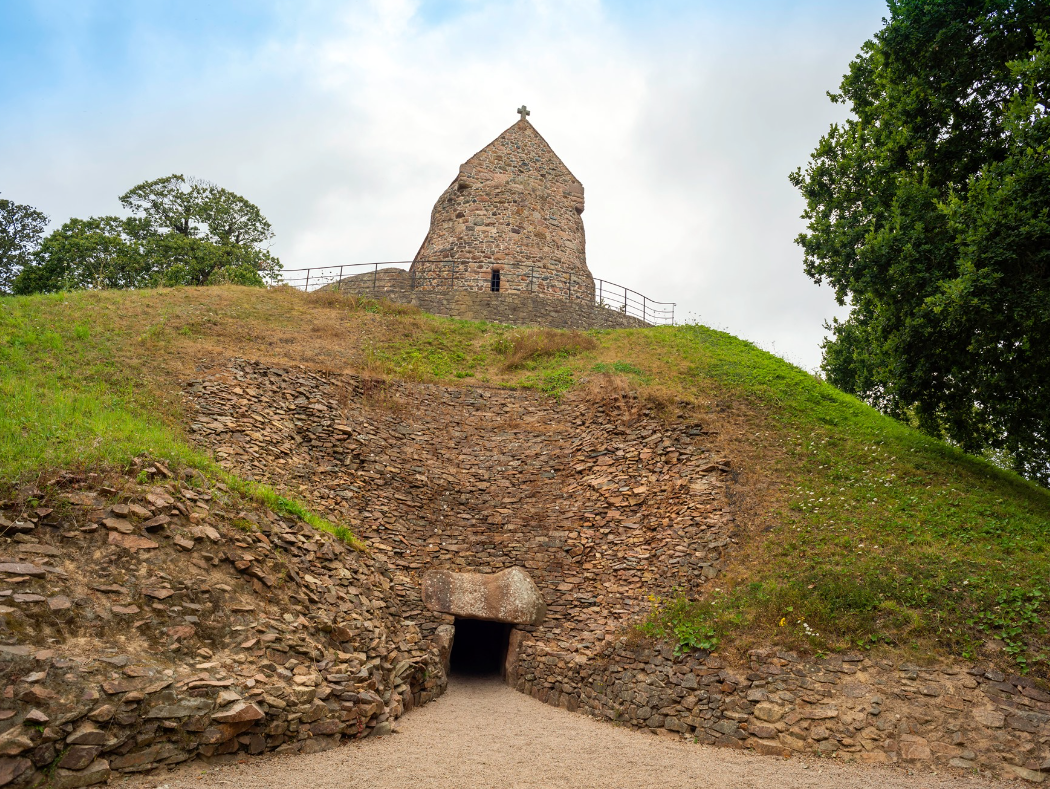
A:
[(601, 503), (605, 505), (520, 309), (147, 624), (517, 308), (845, 706)]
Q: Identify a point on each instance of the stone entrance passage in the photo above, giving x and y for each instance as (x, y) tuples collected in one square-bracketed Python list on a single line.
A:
[(486, 606), (508, 596), (479, 648)]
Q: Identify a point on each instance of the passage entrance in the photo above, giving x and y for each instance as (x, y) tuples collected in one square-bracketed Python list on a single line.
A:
[(479, 647)]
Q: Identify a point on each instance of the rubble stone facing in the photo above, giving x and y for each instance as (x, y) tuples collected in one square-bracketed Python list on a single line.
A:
[(605, 505), (582, 495), (846, 706), (513, 204), (234, 632)]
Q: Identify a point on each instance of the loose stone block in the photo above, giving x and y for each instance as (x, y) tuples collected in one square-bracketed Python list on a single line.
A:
[(96, 773), (989, 718)]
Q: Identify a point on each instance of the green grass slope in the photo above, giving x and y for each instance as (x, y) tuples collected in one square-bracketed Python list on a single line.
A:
[(854, 530)]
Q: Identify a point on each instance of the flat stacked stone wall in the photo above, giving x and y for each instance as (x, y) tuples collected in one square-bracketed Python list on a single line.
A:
[(520, 309), (847, 706), (607, 505), (143, 624), (603, 503)]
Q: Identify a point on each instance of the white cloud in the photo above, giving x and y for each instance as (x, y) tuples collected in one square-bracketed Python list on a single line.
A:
[(345, 128)]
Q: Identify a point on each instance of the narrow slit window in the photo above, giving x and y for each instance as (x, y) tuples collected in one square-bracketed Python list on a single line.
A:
[(495, 281)]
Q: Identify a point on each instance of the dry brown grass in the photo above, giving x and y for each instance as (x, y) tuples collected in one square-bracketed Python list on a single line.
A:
[(531, 345), (174, 331), (378, 394), (616, 394), (350, 302)]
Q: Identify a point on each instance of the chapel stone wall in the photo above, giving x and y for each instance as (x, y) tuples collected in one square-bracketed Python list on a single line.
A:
[(516, 208)]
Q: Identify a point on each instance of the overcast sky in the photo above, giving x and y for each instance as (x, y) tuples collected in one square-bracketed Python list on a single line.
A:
[(344, 121)]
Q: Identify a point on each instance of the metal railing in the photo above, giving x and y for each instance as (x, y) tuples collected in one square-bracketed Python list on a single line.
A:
[(394, 276)]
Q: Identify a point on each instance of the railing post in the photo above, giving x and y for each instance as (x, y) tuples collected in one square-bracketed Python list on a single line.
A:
[(599, 292), (643, 309), (306, 287), (375, 278), (339, 284)]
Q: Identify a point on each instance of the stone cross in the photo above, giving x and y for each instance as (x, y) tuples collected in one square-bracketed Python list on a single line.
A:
[(523, 111)]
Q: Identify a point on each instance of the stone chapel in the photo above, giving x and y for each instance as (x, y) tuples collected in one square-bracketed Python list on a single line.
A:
[(509, 221)]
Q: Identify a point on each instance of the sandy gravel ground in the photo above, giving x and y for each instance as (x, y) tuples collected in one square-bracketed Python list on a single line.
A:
[(483, 734)]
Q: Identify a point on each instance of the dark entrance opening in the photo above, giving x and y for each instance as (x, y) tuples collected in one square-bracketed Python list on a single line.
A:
[(479, 648)]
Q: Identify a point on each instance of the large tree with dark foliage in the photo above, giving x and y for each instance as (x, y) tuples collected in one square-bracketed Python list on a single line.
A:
[(21, 227), (929, 213), (183, 231)]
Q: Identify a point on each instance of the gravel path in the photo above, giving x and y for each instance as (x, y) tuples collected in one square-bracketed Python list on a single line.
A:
[(483, 734)]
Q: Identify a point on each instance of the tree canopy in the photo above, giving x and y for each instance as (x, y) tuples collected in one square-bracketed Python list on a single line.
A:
[(929, 213), (183, 231), (198, 209), (21, 227)]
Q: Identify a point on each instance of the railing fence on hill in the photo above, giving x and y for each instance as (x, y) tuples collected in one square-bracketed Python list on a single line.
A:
[(458, 275)]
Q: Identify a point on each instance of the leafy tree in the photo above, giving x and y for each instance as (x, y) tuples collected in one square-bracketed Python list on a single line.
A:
[(168, 203), (192, 261), (233, 229), (21, 227), (198, 209), (928, 212), (100, 252), (184, 232)]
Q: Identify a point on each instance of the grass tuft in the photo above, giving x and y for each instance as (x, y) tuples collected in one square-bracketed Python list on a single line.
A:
[(522, 349), (269, 498)]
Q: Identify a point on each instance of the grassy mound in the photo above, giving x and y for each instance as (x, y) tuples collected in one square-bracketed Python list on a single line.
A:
[(854, 530)]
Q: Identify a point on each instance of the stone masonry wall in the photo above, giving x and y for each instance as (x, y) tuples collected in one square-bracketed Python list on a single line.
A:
[(607, 506), (516, 308), (147, 620), (602, 503), (521, 309), (846, 706), (515, 204)]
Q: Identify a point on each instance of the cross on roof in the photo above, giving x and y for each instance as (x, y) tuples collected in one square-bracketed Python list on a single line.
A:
[(523, 111)]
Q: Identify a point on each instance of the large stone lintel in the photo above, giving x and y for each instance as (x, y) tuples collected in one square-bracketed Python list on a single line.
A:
[(508, 596)]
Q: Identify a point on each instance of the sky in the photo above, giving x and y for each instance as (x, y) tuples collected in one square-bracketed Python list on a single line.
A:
[(344, 122)]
